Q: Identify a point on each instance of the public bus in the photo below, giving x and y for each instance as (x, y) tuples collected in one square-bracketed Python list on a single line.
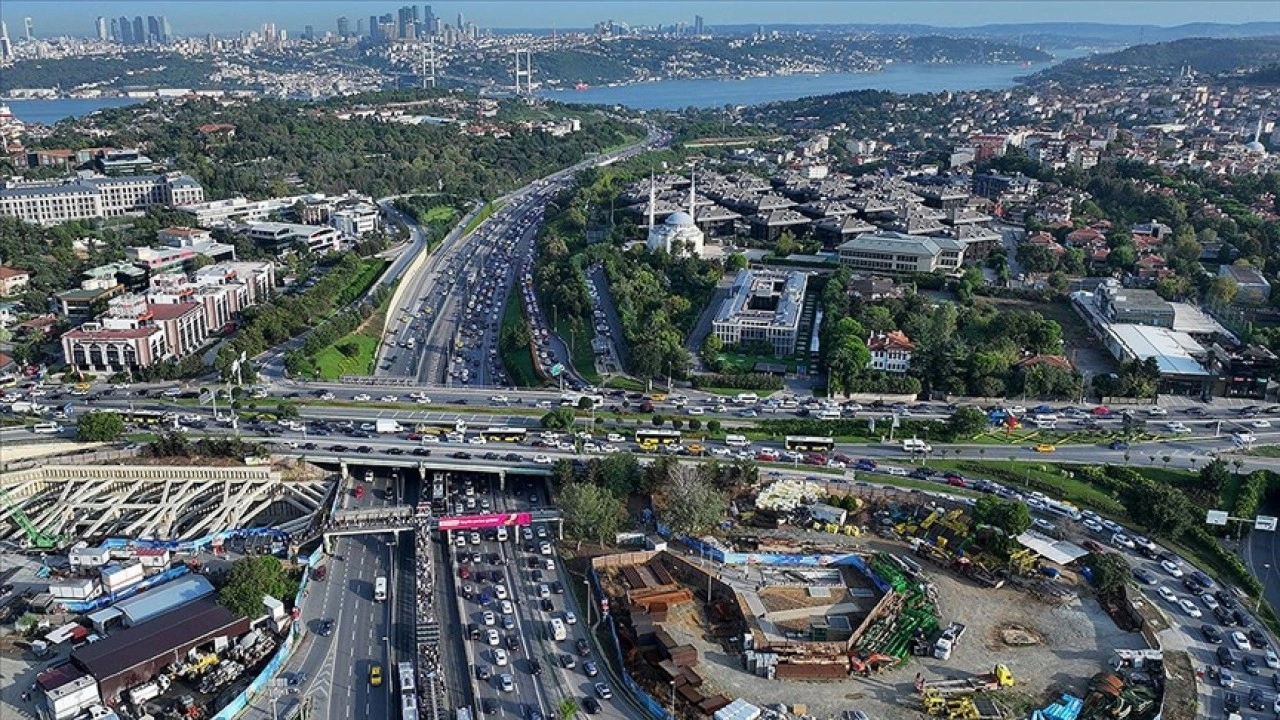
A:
[(504, 434), (405, 670), (1062, 509), (738, 441), (653, 438), (805, 443), (558, 630), (380, 589), (145, 417)]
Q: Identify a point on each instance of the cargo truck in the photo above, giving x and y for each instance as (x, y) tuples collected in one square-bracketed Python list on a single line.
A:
[(948, 641), (388, 426)]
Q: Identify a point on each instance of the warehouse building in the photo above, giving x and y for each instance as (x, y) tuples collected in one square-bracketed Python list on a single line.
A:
[(135, 655), (152, 603)]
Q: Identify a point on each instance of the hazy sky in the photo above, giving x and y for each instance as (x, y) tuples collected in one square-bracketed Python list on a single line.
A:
[(192, 17)]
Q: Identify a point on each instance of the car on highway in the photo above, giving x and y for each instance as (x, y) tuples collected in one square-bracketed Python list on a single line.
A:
[(375, 675), (1122, 540), (1209, 602), (1211, 634), (1167, 594), (362, 397), (603, 691), (1145, 575), (1172, 568), (506, 683), (1178, 428), (570, 618), (1241, 641), (500, 657), (1045, 448), (591, 705), (1189, 608), (1271, 659), (500, 591), (584, 649), (326, 628), (488, 618), (492, 637)]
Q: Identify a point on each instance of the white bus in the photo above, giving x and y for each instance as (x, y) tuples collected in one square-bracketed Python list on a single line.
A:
[(1061, 509), (738, 441), (405, 670), (558, 631), (746, 398), (46, 428), (916, 445), (380, 589)]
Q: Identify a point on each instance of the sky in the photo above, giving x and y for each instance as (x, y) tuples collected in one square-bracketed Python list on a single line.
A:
[(195, 17)]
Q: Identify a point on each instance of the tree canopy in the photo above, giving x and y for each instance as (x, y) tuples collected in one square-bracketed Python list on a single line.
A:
[(250, 579), (99, 427)]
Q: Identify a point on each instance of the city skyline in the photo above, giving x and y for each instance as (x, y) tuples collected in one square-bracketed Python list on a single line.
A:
[(198, 18)]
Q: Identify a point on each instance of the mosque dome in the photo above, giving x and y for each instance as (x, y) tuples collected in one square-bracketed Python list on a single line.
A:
[(1256, 148), (679, 219)]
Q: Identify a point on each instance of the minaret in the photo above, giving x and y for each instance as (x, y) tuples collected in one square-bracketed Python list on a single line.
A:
[(691, 198), (1257, 133), (653, 201)]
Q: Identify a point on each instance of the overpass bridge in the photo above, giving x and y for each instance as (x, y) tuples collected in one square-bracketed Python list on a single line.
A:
[(395, 520), (424, 466)]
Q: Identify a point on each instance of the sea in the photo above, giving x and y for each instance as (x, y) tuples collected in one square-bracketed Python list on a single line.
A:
[(719, 92), (678, 94)]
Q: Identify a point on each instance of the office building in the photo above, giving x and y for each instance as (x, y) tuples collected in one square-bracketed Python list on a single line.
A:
[(429, 20), (125, 30), (893, 252), (344, 27), (101, 26), (697, 25), (6, 48), (763, 306), (27, 29), (279, 237), (139, 31), (1119, 304), (44, 202), (373, 29)]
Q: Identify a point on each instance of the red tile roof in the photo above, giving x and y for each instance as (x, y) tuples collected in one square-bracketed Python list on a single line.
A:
[(171, 311), (892, 340), (7, 272)]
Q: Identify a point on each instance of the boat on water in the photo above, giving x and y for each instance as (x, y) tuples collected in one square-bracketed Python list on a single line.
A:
[(581, 86)]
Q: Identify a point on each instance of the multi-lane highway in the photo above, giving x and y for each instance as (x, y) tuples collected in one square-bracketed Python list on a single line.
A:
[(444, 326)]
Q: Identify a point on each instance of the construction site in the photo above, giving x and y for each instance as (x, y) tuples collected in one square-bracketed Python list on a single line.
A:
[(920, 621)]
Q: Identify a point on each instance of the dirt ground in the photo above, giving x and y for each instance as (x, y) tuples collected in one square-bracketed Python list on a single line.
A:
[(1050, 649)]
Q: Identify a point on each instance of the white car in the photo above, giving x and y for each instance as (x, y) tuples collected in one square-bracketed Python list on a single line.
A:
[(388, 399), (434, 439), (1260, 424), (1094, 525), (1179, 428), (362, 397), (1122, 540), (492, 637), (1044, 524), (1157, 411), (477, 440), (1172, 568), (571, 619), (544, 591), (500, 591), (544, 548), (424, 400), (1209, 601), (499, 656), (1270, 658), (507, 608), (1240, 641), (543, 459), (1189, 608), (488, 618), (1167, 594)]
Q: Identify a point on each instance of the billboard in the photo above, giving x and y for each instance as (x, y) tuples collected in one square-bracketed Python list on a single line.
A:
[(480, 522)]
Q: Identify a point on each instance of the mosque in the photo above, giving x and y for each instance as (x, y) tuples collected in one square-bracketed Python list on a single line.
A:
[(679, 227)]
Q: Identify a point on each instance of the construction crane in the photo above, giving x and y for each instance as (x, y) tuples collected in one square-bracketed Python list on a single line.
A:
[(36, 538)]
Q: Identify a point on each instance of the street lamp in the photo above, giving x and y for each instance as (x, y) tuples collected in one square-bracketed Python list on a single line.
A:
[(1266, 570), (673, 698)]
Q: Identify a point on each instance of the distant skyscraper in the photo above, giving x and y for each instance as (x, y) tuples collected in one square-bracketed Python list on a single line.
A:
[(139, 31), (308, 32), (166, 35), (406, 27), (125, 29), (115, 30), (373, 29), (26, 28), (5, 48), (153, 30), (460, 23), (101, 26), (360, 26), (430, 21), (697, 25), (344, 27)]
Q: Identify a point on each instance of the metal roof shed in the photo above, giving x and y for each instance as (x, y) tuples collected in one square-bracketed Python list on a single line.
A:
[(164, 598)]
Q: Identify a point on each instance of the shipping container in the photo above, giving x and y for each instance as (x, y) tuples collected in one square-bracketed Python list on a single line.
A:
[(76, 589), (118, 577)]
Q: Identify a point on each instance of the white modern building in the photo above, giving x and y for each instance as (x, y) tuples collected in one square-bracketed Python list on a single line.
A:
[(893, 252), (280, 237), (762, 306), (86, 196), (891, 351)]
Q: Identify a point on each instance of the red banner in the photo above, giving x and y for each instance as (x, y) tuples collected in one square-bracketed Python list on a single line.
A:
[(480, 522)]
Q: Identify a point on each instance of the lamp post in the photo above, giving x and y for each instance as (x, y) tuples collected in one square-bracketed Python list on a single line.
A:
[(673, 698), (1266, 570)]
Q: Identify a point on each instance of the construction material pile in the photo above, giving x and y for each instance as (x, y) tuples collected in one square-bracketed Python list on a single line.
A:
[(909, 614)]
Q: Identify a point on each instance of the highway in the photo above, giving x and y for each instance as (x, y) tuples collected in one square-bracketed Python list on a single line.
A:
[(443, 329)]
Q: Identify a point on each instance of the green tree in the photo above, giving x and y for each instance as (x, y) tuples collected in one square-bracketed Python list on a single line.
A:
[(967, 421), (99, 427), (689, 504), (250, 579), (735, 262), (1213, 477), (590, 512), (1222, 289), (620, 473), (585, 403), (558, 419), (1110, 573), (287, 409), (1010, 518)]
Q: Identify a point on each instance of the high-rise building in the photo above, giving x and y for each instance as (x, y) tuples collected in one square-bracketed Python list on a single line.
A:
[(125, 29), (26, 27), (406, 26), (166, 35), (460, 23), (344, 27), (139, 31), (5, 48), (153, 30), (102, 28), (360, 26), (430, 21), (697, 25), (373, 29), (115, 30), (308, 33)]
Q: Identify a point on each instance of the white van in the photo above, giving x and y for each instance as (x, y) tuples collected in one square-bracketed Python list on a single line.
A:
[(746, 398), (502, 534), (558, 630), (738, 441), (46, 428), (829, 414)]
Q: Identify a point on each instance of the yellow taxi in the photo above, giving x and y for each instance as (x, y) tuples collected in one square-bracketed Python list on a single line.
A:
[(375, 675), (658, 397), (1045, 447), (695, 449)]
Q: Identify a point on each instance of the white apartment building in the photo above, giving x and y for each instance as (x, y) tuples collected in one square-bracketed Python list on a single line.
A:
[(894, 252), (87, 196), (891, 351), (284, 237), (762, 306)]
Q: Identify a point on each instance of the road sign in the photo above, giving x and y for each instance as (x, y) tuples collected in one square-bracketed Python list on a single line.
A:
[(1216, 517), (1265, 522), (556, 370)]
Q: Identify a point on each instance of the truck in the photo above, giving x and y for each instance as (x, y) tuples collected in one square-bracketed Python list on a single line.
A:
[(388, 426), (916, 445), (1000, 677), (948, 641)]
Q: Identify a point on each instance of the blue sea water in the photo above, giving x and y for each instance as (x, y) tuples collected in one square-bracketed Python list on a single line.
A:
[(48, 112)]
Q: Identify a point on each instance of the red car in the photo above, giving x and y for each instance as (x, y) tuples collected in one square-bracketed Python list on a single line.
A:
[(1093, 546), (359, 491), (767, 456), (464, 572), (1102, 410), (957, 481)]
